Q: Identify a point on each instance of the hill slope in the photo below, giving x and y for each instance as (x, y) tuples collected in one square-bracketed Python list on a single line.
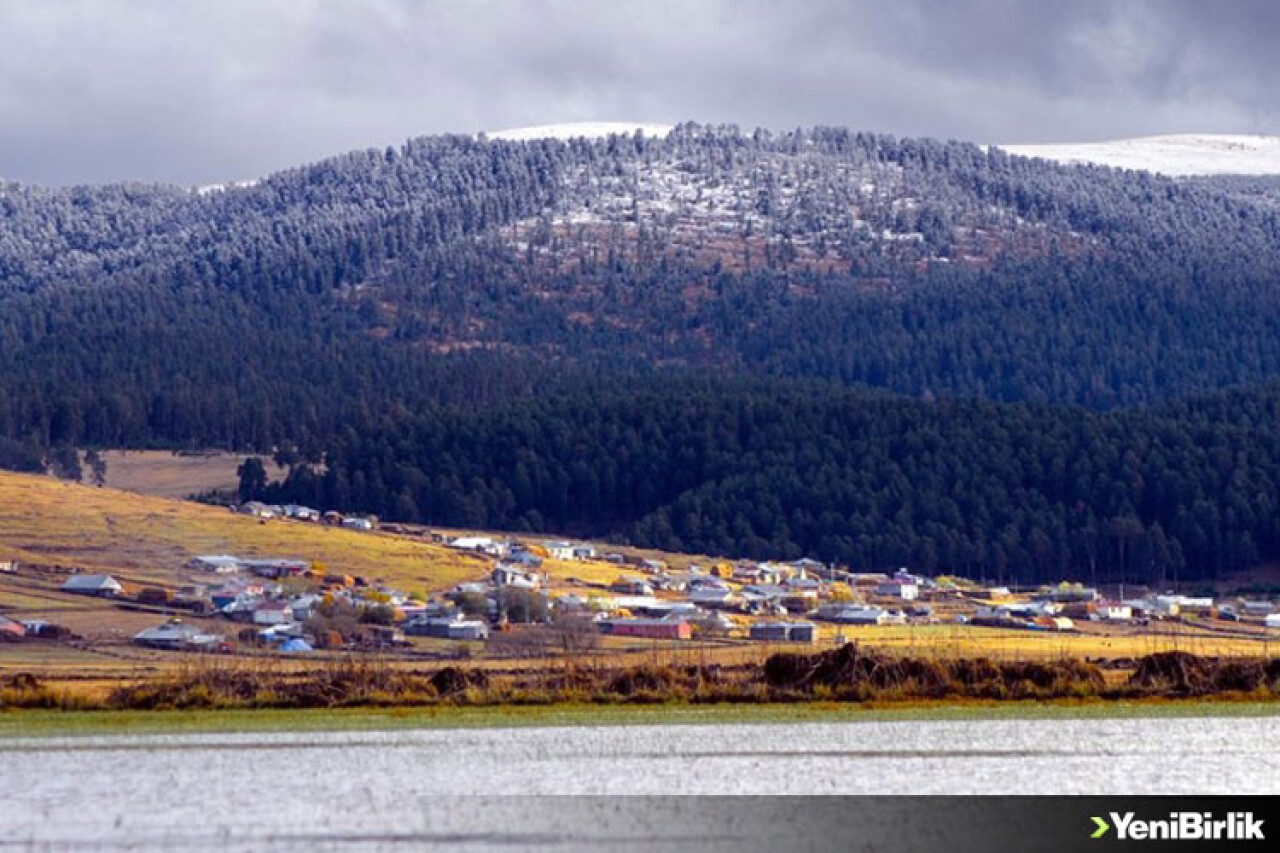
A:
[(140, 539), (467, 270), (1179, 155)]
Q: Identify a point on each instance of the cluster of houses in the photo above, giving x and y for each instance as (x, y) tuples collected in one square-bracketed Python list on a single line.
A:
[(275, 599), (651, 601), (295, 512), (257, 594), (783, 601)]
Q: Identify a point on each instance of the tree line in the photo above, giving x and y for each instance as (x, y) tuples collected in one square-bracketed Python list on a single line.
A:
[(769, 469)]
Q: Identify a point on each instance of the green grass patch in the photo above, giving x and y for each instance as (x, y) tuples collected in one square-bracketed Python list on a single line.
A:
[(42, 723)]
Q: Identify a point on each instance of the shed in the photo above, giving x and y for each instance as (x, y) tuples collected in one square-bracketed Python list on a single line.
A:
[(217, 563), (174, 635), (273, 613), (794, 632), (803, 632), (653, 629), (770, 632), (100, 585)]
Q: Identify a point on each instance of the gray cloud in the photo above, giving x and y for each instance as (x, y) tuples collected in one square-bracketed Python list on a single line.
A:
[(196, 92)]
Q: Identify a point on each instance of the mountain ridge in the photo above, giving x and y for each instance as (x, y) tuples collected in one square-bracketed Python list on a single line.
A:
[(915, 265)]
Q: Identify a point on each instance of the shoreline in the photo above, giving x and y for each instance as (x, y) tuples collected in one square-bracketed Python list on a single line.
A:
[(39, 723)]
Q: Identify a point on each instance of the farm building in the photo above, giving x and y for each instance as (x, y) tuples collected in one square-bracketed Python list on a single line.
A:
[(1272, 620), (104, 586), (569, 550), (276, 567), (447, 628), (273, 613), (8, 567), (559, 550), (795, 632), (222, 564), (652, 629), (174, 635), (477, 543), (857, 614), (712, 597)]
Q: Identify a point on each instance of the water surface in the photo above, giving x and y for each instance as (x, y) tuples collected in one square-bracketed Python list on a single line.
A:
[(320, 790)]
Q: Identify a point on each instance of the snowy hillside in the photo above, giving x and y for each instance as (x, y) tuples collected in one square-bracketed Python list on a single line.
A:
[(1179, 155), (575, 130)]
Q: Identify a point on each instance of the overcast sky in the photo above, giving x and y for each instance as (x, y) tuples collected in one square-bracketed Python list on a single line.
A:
[(213, 90)]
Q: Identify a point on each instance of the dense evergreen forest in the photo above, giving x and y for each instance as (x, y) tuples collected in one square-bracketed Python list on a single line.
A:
[(908, 351), (1019, 492)]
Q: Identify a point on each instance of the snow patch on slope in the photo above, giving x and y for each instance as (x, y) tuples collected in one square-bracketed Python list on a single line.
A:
[(210, 189), (580, 130), (1178, 155)]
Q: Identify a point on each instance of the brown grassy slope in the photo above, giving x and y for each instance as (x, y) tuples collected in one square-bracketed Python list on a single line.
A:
[(148, 540), (166, 474)]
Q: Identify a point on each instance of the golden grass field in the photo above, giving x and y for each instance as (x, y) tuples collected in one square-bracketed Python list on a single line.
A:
[(147, 540), (52, 527)]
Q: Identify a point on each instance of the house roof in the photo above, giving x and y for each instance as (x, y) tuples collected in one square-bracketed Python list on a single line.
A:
[(175, 632), (82, 583), (275, 605)]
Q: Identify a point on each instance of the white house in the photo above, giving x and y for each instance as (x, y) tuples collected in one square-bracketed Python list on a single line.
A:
[(1115, 612), (8, 567), (1272, 620), (273, 613), (560, 550), (100, 585)]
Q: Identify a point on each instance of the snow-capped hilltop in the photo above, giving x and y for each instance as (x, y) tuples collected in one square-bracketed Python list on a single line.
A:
[(1178, 155), (580, 130)]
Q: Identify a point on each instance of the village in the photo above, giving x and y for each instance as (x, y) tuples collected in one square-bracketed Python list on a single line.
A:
[(540, 597)]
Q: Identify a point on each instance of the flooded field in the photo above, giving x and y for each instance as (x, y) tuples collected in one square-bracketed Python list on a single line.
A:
[(387, 789)]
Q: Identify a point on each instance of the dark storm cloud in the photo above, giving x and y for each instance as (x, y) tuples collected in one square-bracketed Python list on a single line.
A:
[(207, 91)]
